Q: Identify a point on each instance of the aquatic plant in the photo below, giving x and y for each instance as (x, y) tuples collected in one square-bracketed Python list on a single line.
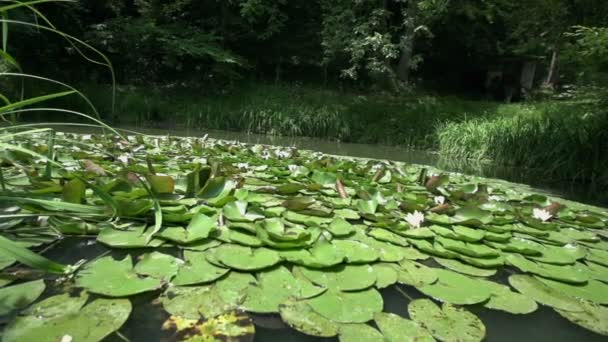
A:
[(219, 230)]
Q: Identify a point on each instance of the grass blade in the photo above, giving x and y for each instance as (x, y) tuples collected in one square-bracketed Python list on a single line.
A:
[(29, 258)]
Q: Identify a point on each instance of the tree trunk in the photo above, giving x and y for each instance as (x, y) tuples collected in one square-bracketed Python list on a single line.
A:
[(552, 80), (405, 62)]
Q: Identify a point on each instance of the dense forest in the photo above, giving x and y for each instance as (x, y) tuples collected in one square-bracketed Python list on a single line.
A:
[(387, 44)]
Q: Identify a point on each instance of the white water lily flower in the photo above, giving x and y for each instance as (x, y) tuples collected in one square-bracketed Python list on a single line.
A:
[(439, 200), (86, 137), (292, 168), (242, 165), (66, 338), (415, 219), (124, 158), (283, 154), (541, 214), (495, 198)]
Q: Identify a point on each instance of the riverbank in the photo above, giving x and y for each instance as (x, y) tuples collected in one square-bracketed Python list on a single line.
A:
[(565, 140)]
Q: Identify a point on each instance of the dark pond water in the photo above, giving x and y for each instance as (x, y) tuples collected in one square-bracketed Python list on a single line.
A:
[(543, 325)]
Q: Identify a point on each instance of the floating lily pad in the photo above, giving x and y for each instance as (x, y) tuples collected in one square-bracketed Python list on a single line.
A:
[(114, 278), (455, 288), (197, 301), (565, 255), (593, 317), (323, 254), (245, 258), (340, 227), (359, 333), (387, 236), (198, 229), (598, 272), (576, 274), (535, 289), (356, 252), (301, 317), (197, 270), (475, 250), (593, 291), (395, 328), (415, 274), (16, 297), (62, 315), (133, 237), (447, 323), (158, 265), (386, 275), (348, 307), (274, 287), (342, 277), (504, 299), (459, 267)]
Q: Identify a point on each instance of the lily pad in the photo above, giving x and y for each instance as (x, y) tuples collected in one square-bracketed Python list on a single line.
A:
[(447, 323), (197, 270), (455, 288), (348, 307), (356, 252), (132, 237), (340, 227), (301, 317), (198, 229), (342, 277), (16, 297), (359, 332), (504, 299), (535, 289), (233, 326), (593, 317), (593, 291), (386, 275), (459, 267), (245, 258), (395, 328), (415, 274), (158, 265), (62, 315), (114, 278), (576, 274)]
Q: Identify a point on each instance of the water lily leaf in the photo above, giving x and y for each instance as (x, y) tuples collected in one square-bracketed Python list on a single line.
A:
[(579, 235), (61, 315), (305, 219), (133, 237), (593, 317), (504, 299), (386, 275), (346, 213), (576, 274), (276, 230), (356, 252), (367, 206), (197, 270), (447, 323), (593, 291), (245, 258), (233, 326), (359, 333), (535, 289), (324, 178), (274, 287), (472, 216), (475, 250), (598, 272), (199, 228), (302, 318), (417, 233), (518, 245), (114, 278), (196, 301), (158, 265), (347, 307), (237, 211), (161, 184), (415, 274), (298, 203), (565, 255), (231, 288), (459, 267), (340, 227), (395, 328), (342, 277), (387, 236), (597, 256), (455, 288), (19, 296)]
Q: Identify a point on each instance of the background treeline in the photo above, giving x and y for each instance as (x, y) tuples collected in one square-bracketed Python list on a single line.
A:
[(444, 44)]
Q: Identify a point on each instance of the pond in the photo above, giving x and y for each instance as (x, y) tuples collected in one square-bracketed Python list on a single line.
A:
[(289, 203)]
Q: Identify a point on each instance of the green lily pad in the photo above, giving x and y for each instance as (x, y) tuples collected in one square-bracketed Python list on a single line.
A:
[(199, 228), (158, 265), (133, 237), (447, 323), (245, 258), (455, 288), (459, 267), (16, 297), (593, 317), (342, 277), (347, 307), (472, 216), (386, 275), (359, 332), (237, 211), (535, 289), (273, 287), (302, 318), (593, 291), (576, 274), (356, 252), (340, 227), (62, 315), (323, 254), (395, 328), (307, 220), (597, 256), (415, 274), (114, 278), (197, 270), (387, 236), (565, 255), (504, 299), (474, 250), (598, 272), (518, 245), (196, 301)]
